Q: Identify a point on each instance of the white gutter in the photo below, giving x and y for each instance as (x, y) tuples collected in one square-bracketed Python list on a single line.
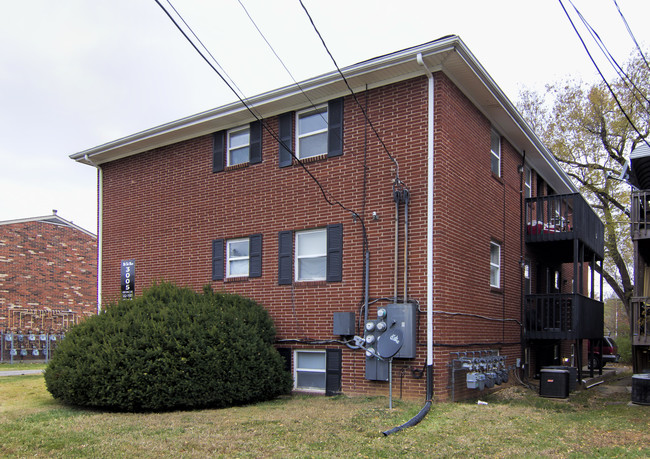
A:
[(100, 232), (430, 157)]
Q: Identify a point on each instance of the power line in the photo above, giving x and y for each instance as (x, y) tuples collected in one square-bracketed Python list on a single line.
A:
[(324, 192), (283, 64), (365, 114), (629, 30), (619, 70), (601, 73)]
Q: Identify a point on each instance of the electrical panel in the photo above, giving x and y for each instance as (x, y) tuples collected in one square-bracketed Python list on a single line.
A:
[(404, 317), (344, 324)]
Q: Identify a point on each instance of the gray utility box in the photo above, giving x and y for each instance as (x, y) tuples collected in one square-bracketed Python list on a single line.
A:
[(554, 383), (404, 317), (344, 324)]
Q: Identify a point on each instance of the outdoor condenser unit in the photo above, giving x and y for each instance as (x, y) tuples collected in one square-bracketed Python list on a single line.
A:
[(554, 383), (641, 389)]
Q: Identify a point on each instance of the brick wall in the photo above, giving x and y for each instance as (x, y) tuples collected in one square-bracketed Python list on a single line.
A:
[(163, 208), (48, 276)]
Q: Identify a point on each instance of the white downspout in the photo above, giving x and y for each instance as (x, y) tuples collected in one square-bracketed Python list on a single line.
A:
[(430, 157), (100, 201)]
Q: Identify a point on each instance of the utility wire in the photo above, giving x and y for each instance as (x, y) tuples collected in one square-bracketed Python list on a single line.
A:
[(283, 64), (627, 26), (625, 78), (333, 201), (365, 114), (601, 74)]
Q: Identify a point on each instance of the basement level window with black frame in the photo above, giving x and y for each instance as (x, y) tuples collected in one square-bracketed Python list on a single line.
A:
[(310, 370)]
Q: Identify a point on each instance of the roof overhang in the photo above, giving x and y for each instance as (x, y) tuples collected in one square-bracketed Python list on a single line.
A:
[(448, 54), (640, 167)]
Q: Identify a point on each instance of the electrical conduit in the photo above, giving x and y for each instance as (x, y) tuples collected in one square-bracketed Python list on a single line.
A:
[(425, 409)]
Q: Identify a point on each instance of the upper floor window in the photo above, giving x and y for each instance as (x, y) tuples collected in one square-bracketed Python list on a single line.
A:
[(496, 153), (528, 182), (311, 132), (237, 257), (495, 265), (242, 257), (239, 145), (311, 255)]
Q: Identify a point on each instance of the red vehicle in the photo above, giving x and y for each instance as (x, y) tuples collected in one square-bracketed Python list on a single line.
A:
[(609, 352)]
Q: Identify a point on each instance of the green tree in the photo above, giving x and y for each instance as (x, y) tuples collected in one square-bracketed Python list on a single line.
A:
[(591, 138)]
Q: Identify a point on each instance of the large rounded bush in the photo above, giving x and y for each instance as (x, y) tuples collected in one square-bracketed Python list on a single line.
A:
[(170, 348)]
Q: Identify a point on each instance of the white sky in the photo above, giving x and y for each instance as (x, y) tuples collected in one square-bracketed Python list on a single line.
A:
[(75, 74)]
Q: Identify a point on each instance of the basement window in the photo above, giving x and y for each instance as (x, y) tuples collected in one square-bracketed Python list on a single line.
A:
[(310, 370)]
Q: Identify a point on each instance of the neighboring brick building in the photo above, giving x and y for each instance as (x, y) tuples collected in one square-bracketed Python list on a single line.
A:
[(218, 199), (48, 275)]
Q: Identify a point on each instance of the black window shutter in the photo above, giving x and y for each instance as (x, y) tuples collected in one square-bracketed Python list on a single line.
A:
[(255, 142), (286, 137), (217, 259), (335, 127), (285, 353), (335, 253), (255, 256), (333, 364), (285, 257), (218, 150)]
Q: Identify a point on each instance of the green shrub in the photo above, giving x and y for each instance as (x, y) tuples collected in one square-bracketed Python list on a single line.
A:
[(170, 348)]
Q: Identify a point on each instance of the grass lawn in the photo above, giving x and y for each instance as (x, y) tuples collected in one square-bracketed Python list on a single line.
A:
[(514, 423)]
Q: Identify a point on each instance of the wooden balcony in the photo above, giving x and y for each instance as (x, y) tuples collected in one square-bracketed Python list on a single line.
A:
[(563, 316), (563, 218), (640, 321), (640, 214)]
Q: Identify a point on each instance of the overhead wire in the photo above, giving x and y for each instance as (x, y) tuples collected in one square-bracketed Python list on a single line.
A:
[(629, 30), (282, 62), (333, 201), (625, 78), (354, 95), (618, 102)]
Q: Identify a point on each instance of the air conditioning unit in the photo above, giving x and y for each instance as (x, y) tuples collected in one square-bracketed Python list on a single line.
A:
[(554, 383)]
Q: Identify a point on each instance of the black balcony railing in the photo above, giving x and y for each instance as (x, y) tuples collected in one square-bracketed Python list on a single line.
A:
[(563, 316), (640, 309), (563, 217), (640, 214)]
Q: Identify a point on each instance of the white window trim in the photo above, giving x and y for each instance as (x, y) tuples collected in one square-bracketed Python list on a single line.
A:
[(228, 149), (528, 182), (229, 258), (296, 257), (318, 108), (496, 154), (497, 266), (308, 370)]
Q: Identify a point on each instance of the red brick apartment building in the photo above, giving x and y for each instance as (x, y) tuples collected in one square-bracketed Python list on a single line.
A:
[(48, 275), (422, 204)]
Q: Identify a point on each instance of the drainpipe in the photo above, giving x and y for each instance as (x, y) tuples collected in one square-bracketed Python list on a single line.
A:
[(100, 200), (425, 409)]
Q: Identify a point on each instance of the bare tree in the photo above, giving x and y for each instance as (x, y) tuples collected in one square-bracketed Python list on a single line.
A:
[(591, 137)]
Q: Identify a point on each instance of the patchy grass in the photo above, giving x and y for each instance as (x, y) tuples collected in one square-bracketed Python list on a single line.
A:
[(516, 422), (5, 366)]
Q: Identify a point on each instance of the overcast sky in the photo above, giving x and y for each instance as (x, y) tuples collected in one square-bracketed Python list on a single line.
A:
[(75, 74)]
